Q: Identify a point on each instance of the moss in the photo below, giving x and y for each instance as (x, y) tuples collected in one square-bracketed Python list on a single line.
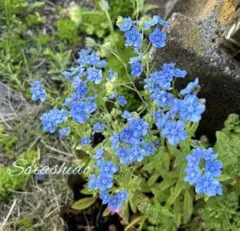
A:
[(207, 9), (188, 32), (67, 31), (92, 22), (226, 11), (119, 8)]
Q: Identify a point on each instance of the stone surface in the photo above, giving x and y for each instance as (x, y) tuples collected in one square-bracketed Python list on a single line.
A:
[(193, 43), (164, 7)]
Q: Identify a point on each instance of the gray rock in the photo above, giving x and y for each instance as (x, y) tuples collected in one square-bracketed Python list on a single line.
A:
[(193, 43), (165, 7)]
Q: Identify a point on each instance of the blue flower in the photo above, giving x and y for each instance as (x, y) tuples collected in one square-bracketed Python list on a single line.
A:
[(90, 105), (126, 24), (147, 24), (99, 153), (136, 59), (139, 127), (190, 108), (98, 127), (160, 118), (158, 38), (84, 56), (154, 21), (64, 132), (174, 110), (94, 75), (60, 115), (38, 93), (136, 69), (124, 155), (133, 38), (52, 119), (162, 98), (126, 136), (174, 132), (115, 203), (194, 159), (208, 154), (114, 139), (105, 197), (158, 80), (68, 101), (137, 154), (81, 91), (108, 168), (68, 75), (105, 181), (170, 70), (192, 174), (149, 148), (127, 115), (121, 100), (89, 57), (190, 87), (208, 185), (161, 21), (85, 141), (112, 74), (214, 167), (204, 179), (93, 182), (79, 112)]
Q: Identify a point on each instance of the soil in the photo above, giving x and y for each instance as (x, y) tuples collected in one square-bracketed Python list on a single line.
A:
[(91, 218)]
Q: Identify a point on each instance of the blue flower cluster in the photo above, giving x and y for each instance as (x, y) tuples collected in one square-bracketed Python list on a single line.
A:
[(38, 93), (134, 38), (104, 181), (204, 179), (50, 120), (173, 112), (130, 144), (80, 104), (115, 202)]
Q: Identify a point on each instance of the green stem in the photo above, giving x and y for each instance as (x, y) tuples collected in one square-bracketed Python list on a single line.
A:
[(129, 77), (109, 21)]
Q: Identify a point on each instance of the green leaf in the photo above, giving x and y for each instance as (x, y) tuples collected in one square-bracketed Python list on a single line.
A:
[(37, 4), (228, 148), (133, 205), (224, 177), (148, 7), (153, 179), (176, 192), (164, 185), (84, 203), (187, 207), (106, 212), (125, 211)]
